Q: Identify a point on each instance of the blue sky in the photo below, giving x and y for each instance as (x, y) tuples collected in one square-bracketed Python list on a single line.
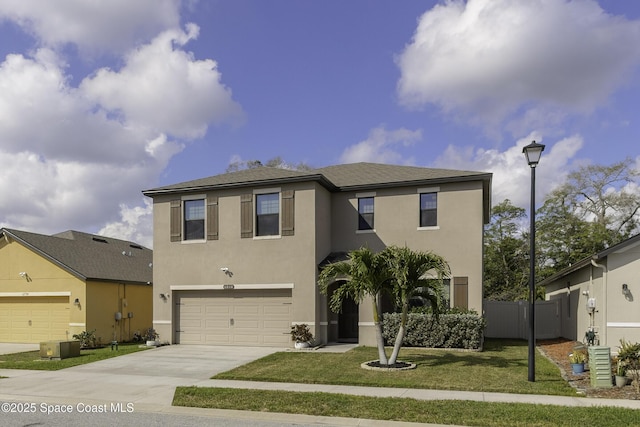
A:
[(98, 102)]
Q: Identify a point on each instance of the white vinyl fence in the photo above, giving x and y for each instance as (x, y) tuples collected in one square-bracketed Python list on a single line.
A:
[(506, 319)]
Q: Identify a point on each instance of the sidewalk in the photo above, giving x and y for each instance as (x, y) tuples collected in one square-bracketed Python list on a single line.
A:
[(424, 394)]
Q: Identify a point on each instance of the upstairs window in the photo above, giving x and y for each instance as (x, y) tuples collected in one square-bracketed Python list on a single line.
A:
[(268, 214), (194, 219), (365, 213), (428, 209)]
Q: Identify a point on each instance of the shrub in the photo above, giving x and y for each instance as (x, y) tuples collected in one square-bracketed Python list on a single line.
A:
[(87, 339), (301, 333), (448, 331)]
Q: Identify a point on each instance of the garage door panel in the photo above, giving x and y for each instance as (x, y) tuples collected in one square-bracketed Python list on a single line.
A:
[(247, 317), (34, 319), (217, 324), (277, 307)]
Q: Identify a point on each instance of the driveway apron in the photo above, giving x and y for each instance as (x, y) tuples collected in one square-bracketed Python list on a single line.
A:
[(146, 377)]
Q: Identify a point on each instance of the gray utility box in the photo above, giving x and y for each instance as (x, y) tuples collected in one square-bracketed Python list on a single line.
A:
[(59, 349), (600, 366)]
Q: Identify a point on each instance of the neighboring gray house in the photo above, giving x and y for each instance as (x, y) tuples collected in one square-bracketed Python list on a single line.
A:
[(603, 292), (237, 255)]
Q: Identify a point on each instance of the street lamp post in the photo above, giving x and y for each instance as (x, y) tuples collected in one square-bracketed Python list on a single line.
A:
[(532, 152)]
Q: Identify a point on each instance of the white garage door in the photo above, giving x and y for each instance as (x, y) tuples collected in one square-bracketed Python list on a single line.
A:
[(234, 317), (33, 319)]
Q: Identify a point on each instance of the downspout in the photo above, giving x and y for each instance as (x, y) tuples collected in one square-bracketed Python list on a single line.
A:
[(603, 332)]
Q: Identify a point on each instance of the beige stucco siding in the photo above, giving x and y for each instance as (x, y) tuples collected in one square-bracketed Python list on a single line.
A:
[(257, 262), (616, 315), (457, 237)]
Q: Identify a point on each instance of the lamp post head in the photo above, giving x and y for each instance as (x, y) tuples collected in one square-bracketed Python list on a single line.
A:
[(533, 152)]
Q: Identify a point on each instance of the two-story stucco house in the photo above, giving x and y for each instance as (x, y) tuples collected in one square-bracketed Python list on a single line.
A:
[(237, 255)]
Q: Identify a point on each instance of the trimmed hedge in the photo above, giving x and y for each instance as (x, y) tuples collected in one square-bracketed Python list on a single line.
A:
[(450, 331)]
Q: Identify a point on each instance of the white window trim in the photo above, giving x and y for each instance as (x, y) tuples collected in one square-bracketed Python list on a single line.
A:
[(370, 231), (193, 197), (255, 214)]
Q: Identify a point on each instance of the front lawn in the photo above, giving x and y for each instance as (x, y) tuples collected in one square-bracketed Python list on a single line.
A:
[(402, 409), (31, 359), (501, 367)]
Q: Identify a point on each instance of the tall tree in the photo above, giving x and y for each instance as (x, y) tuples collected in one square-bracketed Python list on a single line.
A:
[(602, 195), (595, 208), (506, 268), (276, 162), (409, 270), (400, 272), (364, 274)]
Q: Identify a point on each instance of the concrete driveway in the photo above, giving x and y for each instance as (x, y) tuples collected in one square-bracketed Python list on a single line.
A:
[(143, 378), (8, 348)]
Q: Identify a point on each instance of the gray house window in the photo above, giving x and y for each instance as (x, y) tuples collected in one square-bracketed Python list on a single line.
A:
[(428, 209), (268, 214), (194, 219), (365, 213)]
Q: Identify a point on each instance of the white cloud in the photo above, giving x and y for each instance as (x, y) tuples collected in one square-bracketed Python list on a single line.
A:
[(165, 88), (488, 60), (382, 146), (107, 26), (78, 156), (511, 173), (135, 224)]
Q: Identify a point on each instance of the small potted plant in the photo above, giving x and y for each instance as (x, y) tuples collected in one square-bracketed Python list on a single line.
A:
[(621, 373), (301, 335), (577, 359), (151, 337)]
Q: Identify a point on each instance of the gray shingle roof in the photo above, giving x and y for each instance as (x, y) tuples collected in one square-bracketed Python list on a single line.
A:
[(363, 175), (90, 257), (335, 178)]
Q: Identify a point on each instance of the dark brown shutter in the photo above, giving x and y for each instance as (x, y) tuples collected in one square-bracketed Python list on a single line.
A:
[(212, 218), (246, 215), (175, 221), (461, 292), (288, 213)]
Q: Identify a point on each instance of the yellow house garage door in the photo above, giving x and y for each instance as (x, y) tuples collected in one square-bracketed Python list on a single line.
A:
[(236, 317), (34, 319)]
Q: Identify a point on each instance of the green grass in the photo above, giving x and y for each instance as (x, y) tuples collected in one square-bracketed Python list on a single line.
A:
[(501, 367), (31, 359), (401, 409)]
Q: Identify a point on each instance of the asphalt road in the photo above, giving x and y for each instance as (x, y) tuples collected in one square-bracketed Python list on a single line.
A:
[(74, 416)]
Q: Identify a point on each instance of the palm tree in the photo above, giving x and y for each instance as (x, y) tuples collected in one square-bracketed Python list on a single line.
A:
[(364, 274), (409, 270)]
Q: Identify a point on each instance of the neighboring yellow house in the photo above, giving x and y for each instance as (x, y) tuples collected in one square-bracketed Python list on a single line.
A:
[(52, 287)]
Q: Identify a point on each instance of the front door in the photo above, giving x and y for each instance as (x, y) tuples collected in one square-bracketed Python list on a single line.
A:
[(348, 322)]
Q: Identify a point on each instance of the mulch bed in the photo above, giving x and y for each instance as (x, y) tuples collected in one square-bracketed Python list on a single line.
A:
[(558, 351)]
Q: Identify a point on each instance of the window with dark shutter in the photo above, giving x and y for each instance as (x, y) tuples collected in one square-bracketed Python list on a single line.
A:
[(288, 213), (246, 215), (175, 224), (212, 218)]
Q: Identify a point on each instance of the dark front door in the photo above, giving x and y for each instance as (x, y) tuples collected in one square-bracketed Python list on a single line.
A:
[(348, 322)]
